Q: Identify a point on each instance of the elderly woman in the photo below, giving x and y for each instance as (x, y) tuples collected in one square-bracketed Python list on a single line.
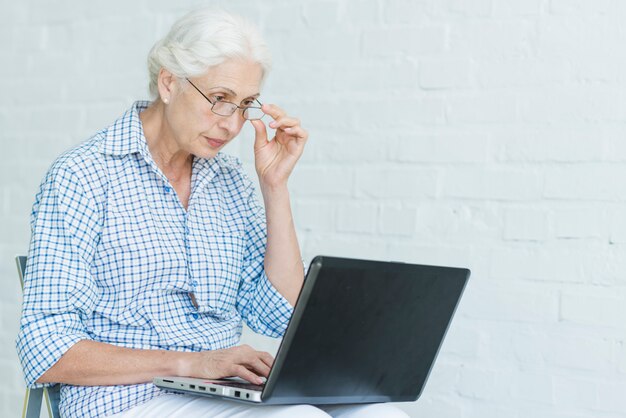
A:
[(149, 247)]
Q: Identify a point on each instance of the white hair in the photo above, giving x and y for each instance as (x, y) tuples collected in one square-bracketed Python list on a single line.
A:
[(202, 39)]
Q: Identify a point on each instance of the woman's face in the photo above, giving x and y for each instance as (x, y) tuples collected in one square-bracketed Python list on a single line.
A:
[(188, 116)]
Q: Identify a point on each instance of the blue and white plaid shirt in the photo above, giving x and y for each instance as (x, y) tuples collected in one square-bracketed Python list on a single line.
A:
[(114, 257)]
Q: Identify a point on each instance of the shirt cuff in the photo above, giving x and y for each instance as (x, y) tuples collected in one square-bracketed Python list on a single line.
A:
[(39, 356), (277, 309)]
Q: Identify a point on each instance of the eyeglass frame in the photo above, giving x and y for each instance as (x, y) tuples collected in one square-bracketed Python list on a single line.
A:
[(236, 107)]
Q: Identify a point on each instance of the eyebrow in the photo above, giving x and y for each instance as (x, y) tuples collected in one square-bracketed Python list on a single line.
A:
[(232, 93)]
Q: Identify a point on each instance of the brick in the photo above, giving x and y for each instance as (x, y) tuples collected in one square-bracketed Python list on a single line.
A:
[(526, 347), (560, 38), (479, 384), (281, 16), (411, 41), (432, 253), (345, 245), (619, 355), (341, 147), (405, 12), (522, 72), (498, 184), (548, 145), (400, 183), (511, 8), (440, 407), (444, 73), (397, 220), (336, 44), (580, 353), (491, 39), (321, 15), (481, 410), (462, 341), (473, 8), (396, 114), (359, 217), (318, 216), (563, 106), (544, 263), (321, 181), (580, 7), (442, 377), (360, 14), (592, 308), (522, 224), (437, 148), (511, 303), (482, 108), (611, 396), (618, 226), (585, 182), (615, 146), (532, 387), (575, 393), (580, 223)]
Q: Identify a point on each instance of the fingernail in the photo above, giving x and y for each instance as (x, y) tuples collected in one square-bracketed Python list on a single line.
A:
[(272, 124)]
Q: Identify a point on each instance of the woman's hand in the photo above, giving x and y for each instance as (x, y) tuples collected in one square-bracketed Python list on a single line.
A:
[(275, 159), (241, 361)]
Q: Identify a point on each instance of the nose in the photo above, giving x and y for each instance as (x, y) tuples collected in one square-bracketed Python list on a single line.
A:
[(232, 124)]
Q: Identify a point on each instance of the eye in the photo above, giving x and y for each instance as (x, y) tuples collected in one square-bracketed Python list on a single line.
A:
[(248, 103), (217, 98)]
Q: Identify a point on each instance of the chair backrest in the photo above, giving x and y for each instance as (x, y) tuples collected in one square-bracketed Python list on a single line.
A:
[(33, 397)]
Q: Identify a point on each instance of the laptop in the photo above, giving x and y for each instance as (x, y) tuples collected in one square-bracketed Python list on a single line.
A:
[(362, 331)]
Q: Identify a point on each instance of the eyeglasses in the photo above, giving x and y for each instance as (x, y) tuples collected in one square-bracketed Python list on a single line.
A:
[(227, 108)]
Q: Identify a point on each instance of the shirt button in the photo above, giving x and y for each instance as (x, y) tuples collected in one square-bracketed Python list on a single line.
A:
[(167, 189), (194, 283), (194, 315)]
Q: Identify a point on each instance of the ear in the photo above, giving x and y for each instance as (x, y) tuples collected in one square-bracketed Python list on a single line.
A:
[(167, 84)]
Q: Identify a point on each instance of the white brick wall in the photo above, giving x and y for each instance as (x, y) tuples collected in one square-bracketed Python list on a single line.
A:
[(482, 133)]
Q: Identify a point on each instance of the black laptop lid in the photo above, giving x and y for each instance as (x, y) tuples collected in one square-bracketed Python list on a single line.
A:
[(364, 331)]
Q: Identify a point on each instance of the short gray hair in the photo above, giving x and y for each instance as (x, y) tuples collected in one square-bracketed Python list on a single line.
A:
[(202, 39)]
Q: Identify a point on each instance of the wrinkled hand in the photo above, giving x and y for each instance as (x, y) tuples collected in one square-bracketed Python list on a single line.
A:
[(275, 159), (241, 361)]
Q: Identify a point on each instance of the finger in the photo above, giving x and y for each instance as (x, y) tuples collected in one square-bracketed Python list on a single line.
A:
[(272, 110), (266, 358), (297, 132), (259, 367), (284, 122), (260, 138), (244, 373)]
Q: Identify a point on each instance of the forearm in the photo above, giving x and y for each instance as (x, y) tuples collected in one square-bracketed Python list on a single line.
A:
[(283, 261), (89, 363)]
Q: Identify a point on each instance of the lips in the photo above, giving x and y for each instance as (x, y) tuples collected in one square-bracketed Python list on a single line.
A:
[(214, 142)]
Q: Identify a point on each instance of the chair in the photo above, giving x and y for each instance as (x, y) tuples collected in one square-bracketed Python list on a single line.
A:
[(32, 398)]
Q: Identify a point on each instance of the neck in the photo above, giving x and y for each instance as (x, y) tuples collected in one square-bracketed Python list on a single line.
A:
[(173, 161)]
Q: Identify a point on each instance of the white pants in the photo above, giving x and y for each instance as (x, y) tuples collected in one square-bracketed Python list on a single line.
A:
[(176, 406)]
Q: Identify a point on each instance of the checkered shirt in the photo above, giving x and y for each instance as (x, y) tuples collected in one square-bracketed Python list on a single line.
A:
[(114, 257)]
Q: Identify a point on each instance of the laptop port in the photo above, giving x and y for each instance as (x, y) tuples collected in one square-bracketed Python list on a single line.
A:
[(202, 387), (247, 395), (212, 389), (237, 394), (192, 386), (168, 381)]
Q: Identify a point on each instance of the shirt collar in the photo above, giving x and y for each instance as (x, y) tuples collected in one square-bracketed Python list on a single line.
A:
[(126, 136)]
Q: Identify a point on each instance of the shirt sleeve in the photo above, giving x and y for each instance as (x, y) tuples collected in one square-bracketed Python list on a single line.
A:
[(261, 306), (59, 291)]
